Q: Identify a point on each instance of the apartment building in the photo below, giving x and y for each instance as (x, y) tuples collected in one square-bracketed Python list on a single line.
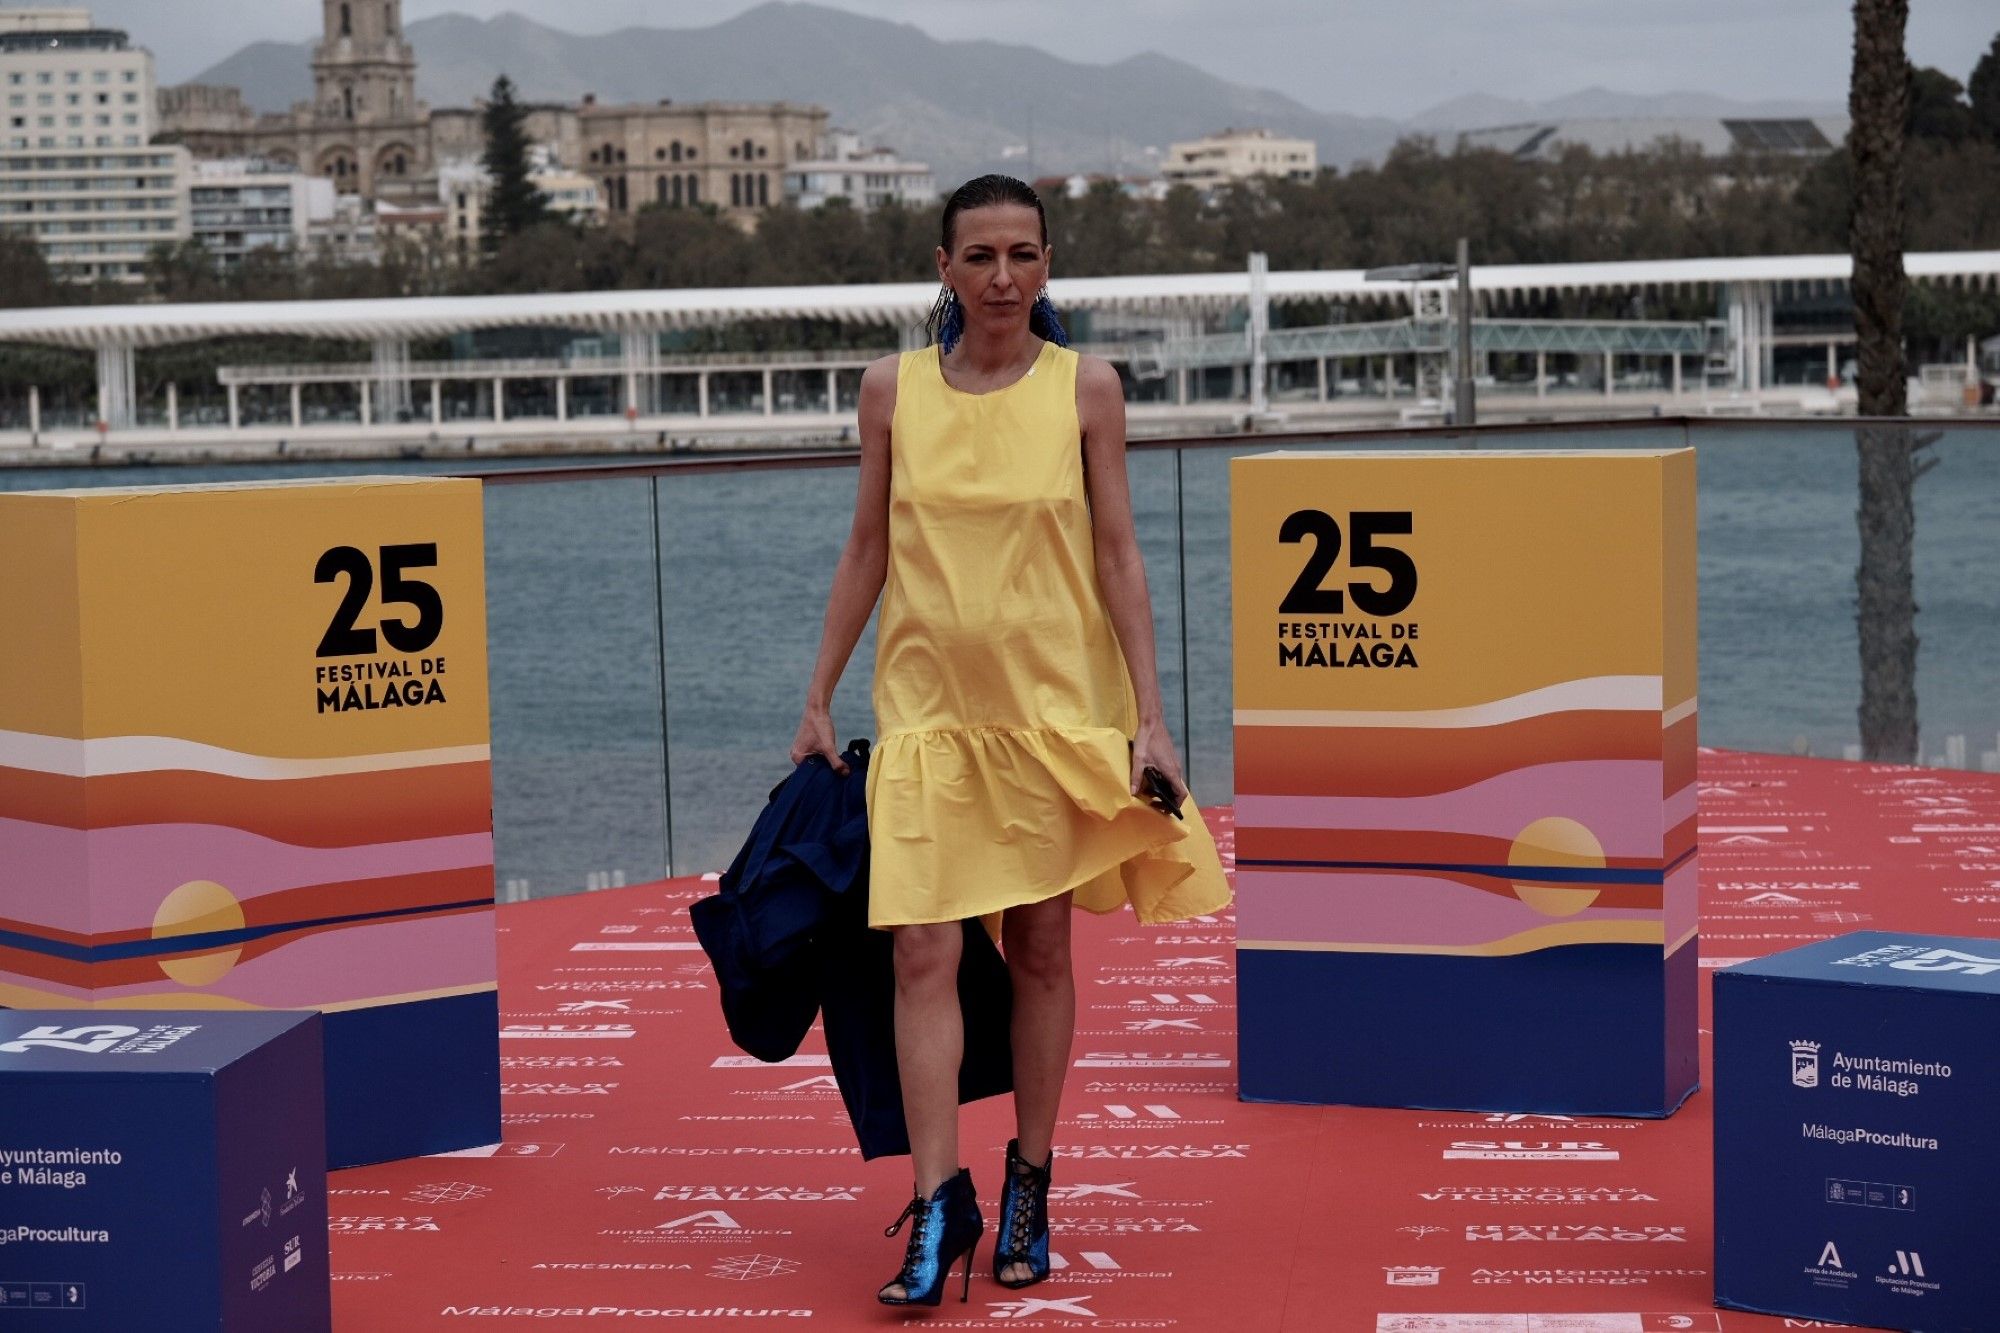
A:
[(242, 206), (1236, 155), (865, 177), (78, 170)]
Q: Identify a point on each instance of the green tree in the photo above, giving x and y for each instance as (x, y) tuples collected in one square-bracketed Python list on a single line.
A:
[(1944, 317), (1983, 90), (1188, 241), (25, 280), (1937, 107), (1878, 103), (512, 204), (184, 271), (266, 273), (1096, 234), (553, 257), (1952, 194), (687, 247), (828, 244), (902, 241)]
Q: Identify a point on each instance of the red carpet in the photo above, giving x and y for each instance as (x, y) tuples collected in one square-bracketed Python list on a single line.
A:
[(654, 1177)]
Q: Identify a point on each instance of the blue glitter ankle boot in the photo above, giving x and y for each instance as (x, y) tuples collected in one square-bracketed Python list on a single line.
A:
[(1024, 1219), (942, 1227)]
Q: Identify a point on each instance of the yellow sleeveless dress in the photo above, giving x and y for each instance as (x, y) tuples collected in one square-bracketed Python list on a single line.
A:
[(1004, 712)]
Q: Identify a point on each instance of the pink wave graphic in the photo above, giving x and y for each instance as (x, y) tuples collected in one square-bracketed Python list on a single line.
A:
[(80, 994), (132, 868), (1331, 907), (1680, 898), (42, 876), (1679, 807), (1618, 800)]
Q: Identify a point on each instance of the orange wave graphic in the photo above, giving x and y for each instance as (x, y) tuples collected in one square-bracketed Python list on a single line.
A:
[(345, 810), (1423, 761), (1677, 747), (1679, 841)]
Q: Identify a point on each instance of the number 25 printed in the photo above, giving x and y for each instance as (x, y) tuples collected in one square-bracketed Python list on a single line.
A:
[(343, 637), (1309, 596)]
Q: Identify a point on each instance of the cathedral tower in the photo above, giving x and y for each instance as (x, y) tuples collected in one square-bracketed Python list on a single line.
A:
[(368, 134), (364, 72)]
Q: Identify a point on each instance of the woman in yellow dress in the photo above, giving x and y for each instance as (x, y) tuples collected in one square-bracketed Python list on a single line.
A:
[(1016, 699)]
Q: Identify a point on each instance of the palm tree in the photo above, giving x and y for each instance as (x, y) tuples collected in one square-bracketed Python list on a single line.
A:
[(1878, 101)]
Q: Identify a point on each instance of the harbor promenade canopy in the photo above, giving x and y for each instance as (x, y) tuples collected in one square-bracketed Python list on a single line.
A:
[(904, 304)]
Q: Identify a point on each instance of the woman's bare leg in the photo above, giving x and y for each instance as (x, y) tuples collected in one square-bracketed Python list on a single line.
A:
[(930, 1043), (1036, 939)]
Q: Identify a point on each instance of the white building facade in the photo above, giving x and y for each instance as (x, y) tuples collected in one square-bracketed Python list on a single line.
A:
[(1236, 155), (239, 207), (866, 178), (569, 196), (78, 172)]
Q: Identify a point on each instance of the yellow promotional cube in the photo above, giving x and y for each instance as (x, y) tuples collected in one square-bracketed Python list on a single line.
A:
[(1465, 800), (245, 764)]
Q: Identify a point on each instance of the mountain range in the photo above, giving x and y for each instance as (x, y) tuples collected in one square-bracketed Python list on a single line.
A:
[(962, 106)]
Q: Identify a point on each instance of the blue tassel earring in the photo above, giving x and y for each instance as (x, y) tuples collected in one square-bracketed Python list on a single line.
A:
[(951, 325), (1042, 318)]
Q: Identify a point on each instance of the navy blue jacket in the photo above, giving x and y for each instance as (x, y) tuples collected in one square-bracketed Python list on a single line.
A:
[(788, 936)]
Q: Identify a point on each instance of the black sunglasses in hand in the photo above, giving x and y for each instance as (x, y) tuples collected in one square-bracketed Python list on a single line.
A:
[(1155, 785)]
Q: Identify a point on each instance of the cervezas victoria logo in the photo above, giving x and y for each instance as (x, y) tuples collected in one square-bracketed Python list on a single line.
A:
[(1805, 1064)]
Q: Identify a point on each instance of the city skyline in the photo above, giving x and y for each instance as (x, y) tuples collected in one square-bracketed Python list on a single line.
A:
[(1528, 50)]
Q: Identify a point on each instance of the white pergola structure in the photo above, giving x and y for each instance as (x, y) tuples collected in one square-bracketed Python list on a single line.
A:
[(1746, 290)]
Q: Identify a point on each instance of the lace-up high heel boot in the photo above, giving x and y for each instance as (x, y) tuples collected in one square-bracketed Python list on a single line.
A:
[(1024, 1219), (942, 1227)]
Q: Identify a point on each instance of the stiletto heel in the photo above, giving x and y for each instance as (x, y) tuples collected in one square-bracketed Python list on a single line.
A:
[(943, 1227), (1023, 1237)]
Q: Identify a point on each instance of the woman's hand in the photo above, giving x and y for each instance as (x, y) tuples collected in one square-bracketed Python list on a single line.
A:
[(816, 737), (1153, 747)]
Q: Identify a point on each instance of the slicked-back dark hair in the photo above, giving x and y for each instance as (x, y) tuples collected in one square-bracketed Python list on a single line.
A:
[(986, 192)]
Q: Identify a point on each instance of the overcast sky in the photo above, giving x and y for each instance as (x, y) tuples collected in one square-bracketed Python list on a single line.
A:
[(1371, 57)]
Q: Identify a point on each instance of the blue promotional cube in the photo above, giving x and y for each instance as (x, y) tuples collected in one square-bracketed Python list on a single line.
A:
[(163, 1170), (1857, 1170)]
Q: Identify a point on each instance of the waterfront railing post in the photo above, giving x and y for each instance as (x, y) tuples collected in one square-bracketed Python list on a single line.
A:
[(660, 650)]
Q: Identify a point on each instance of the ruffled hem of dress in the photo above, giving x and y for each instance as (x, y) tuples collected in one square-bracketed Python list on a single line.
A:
[(1121, 849)]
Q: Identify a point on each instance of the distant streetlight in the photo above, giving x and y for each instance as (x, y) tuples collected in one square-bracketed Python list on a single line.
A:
[(1462, 414)]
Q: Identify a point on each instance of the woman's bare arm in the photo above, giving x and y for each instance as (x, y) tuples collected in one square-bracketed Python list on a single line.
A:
[(863, 566), (1121, 572)]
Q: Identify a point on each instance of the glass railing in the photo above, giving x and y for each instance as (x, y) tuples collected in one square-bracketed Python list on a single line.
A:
[(616, 775), (653, 625)]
